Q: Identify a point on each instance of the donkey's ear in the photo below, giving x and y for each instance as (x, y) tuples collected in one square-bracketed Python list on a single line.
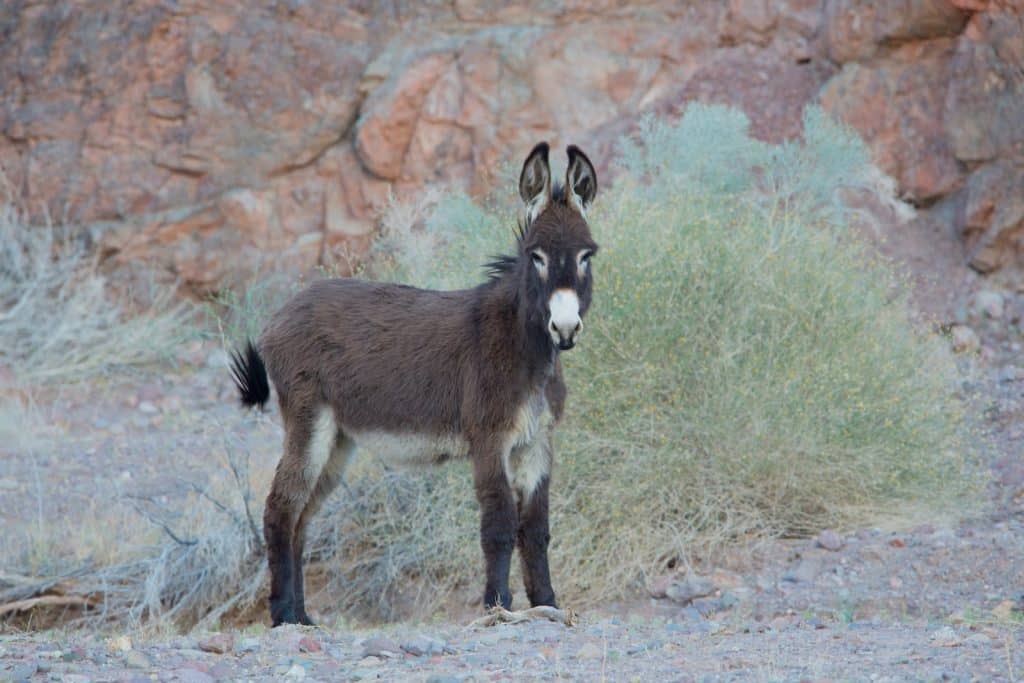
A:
[(580, 180), (535, 181)]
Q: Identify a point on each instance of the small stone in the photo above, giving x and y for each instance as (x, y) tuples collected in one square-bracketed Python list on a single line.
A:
[(442, 678), (75, 678), (686, 590), (295, 672), (965, 340), (24, 672), (137, 660), (979, 639), (381, 647), (807, 570), (1004, 610), (422, 645), (120, 644), (989, 303), (249, 645), (897, 543), (830, 540), (659, 587), (946, 637), (589, 651), (188, 675), (1009, 373), (309, 644), (148, 408), (218, 643)]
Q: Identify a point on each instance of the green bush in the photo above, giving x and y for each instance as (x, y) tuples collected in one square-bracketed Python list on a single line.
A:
[(749, 369)]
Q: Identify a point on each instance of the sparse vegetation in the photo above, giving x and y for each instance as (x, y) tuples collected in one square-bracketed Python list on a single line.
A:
[(60, 321)]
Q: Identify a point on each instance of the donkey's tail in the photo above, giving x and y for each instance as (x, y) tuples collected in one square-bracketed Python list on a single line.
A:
[(250, 376)]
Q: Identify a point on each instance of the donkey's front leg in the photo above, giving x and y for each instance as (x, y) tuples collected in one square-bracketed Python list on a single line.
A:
[(499, 520), (533, 539)]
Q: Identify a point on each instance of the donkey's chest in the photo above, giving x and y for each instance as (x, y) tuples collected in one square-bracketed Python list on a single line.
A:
[(530, 419)]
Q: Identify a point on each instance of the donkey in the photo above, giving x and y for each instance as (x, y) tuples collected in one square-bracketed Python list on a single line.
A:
[(419, 376)]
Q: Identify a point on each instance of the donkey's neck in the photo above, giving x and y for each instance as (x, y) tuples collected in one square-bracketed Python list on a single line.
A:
[(527, 349)]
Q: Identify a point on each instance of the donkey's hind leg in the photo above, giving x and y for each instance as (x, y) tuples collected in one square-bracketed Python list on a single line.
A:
[(309, 439), (330, 477)]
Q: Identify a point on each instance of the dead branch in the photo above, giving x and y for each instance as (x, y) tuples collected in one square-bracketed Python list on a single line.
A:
[(46, 601), (499, 615)]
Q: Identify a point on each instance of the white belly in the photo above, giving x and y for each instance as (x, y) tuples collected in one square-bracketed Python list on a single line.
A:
[(405, 449)]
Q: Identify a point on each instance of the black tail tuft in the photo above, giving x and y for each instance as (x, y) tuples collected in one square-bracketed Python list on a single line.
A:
[(250, 376)]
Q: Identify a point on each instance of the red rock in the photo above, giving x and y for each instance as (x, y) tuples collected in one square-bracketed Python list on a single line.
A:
[(897, 106), (216, 140), (897, 543), (309, 644)]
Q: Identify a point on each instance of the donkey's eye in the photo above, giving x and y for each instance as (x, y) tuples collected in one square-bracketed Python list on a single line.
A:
[(539, 260)]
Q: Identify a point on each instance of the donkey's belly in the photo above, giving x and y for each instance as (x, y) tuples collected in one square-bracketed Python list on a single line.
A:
[(408, 448)]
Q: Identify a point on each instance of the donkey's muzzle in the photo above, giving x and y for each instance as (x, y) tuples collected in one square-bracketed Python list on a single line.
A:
[(565, 336), (564, 325)]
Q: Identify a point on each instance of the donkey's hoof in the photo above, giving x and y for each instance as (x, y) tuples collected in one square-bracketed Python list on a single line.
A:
[(305, 620), (283, 614), (498, 599)]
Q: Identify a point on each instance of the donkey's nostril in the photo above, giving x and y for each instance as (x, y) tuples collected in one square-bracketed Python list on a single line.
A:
[(579, 326)]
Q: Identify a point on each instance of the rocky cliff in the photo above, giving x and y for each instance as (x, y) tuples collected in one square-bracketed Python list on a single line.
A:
[(213, 139)]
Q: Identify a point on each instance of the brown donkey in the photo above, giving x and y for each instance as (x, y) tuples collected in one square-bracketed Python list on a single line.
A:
[(419, 376)]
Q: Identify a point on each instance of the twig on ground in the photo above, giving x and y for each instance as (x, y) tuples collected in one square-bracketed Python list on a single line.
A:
[(499, 615), (46, 601)]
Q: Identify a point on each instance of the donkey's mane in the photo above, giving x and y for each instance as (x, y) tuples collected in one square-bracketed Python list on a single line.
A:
[(502, 264)]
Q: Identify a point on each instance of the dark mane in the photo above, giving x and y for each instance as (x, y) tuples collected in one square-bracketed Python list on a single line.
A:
[(501, 264)]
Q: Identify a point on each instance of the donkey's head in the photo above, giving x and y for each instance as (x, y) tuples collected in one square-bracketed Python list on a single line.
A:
[(556, 246)]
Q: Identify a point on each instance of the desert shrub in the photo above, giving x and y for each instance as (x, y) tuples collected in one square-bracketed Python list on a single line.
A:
[(59, 321), (749, 370)]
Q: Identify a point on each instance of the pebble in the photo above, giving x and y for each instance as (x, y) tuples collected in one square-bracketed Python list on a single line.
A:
[(979, 639), (137, 660), (381, 647), (24, 672), (423, 645), (989, 303), (590, 651), (1009, 373), (188, 675), (946, 637), (295, 672), (218, 643), (689, 589), (120, 644), (805, 572), (965, 340), (830, 540), (310, 645)]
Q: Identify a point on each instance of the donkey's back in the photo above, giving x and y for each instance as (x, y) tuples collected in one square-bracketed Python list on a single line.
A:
[(384, 356)]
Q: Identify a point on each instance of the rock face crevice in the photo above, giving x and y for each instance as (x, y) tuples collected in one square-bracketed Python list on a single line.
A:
[(213, 141)]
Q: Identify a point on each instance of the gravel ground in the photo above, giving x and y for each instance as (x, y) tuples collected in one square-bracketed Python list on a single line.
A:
[(938, 601)]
